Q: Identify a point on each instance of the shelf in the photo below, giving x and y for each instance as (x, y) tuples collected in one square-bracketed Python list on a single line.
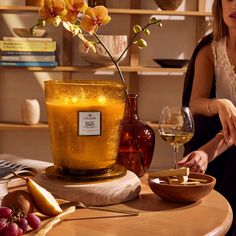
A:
[(44, 126), (158, 12), (95, 69), (21, 126), (23, 9)]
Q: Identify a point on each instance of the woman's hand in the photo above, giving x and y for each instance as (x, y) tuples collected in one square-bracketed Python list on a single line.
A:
[(197, 161), (227, 115)]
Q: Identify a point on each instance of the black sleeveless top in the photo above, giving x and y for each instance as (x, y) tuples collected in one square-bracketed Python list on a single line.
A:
[(223, 168)]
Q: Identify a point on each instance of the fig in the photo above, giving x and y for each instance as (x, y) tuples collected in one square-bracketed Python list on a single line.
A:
[(19, 200)]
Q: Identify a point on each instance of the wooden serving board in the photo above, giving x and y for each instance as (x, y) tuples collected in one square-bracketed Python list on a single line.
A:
[(94, 194)]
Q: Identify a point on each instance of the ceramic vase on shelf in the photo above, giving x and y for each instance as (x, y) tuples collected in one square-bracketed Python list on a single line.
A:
[(30, 111), (137, 140)]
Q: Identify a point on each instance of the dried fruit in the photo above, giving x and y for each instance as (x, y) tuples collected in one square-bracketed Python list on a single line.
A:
[(18, 200)]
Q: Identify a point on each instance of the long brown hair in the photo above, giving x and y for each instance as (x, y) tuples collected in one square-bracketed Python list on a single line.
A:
[(220, 29)]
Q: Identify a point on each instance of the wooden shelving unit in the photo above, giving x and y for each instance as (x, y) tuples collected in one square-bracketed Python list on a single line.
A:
[(23, 9), (94, 69), (133, 69), (21, 126)]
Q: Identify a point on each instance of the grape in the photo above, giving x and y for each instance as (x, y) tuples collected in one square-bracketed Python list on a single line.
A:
[(3, 224), (23, 224), (11, 230), (5, 212), (33, 221), (20, 231)]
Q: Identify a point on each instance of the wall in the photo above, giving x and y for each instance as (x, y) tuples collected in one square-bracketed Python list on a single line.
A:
[(175, 40)]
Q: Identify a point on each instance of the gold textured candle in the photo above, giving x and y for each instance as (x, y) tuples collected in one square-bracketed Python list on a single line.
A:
[(84, 121)]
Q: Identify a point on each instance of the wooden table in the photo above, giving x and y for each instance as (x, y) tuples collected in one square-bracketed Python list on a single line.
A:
[(210, 216)]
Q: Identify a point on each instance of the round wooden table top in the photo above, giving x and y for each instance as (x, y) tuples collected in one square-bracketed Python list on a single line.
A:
[(210, 216)]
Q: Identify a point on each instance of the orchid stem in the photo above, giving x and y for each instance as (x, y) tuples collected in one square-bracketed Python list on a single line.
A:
[(132, 40), (115, 62)]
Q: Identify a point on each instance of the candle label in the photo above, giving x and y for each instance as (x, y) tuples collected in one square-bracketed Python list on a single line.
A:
[(89, 123)]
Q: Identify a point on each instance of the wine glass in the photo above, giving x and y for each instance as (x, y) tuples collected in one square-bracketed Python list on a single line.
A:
[(176, 127)]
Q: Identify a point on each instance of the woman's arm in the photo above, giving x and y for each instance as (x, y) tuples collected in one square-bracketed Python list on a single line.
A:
[(203, 82), (198, 160), (202, 85)]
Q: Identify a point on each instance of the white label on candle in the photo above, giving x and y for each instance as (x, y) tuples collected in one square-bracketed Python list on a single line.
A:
[(89, 123)]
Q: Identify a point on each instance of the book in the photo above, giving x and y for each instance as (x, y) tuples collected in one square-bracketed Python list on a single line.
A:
[(27, 53), (37, 46), (21, 166), (29, 58), (25, 39), (28, 63)]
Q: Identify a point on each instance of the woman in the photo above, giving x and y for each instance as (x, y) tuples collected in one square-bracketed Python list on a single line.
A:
[(210, 91), (218, 59)]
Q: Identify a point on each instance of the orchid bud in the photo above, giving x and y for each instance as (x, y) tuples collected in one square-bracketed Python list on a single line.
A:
[(137, 29), (41, 23), (147, 31), (154, 20), (56, 21), (141, 43)]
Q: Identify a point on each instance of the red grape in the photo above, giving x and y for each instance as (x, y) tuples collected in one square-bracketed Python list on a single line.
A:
[(20, 231), (5, 212), (3, 224), (23, 224), (11, 230), (33, 221)]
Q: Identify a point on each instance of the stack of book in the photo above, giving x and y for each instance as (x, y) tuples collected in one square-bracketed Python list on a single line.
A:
[(19, 51)]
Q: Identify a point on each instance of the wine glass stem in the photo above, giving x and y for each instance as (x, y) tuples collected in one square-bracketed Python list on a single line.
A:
[(176, 149)]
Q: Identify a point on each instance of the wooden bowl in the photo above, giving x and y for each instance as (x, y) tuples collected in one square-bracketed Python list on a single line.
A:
[(115, 44), (168, 4), (184, 193)]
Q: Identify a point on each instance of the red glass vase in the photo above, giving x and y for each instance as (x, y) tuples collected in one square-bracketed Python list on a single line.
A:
[(137, 140)]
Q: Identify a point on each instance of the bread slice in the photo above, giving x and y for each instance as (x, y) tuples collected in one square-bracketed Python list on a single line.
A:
[(183, 171)]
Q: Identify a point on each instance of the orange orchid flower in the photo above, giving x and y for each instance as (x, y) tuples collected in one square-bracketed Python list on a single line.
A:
[(74, 7), (93, 18), (52, 10)]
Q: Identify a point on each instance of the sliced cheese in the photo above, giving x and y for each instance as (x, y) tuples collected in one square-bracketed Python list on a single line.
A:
[(171, 172)]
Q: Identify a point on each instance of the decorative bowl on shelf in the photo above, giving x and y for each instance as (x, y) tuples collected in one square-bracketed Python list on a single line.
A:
[(115, 44), (168, 4), (23, 32), (183, 192), (172, 63)]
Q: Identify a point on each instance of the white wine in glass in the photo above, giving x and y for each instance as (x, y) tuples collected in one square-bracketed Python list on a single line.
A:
[(176, 127)]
